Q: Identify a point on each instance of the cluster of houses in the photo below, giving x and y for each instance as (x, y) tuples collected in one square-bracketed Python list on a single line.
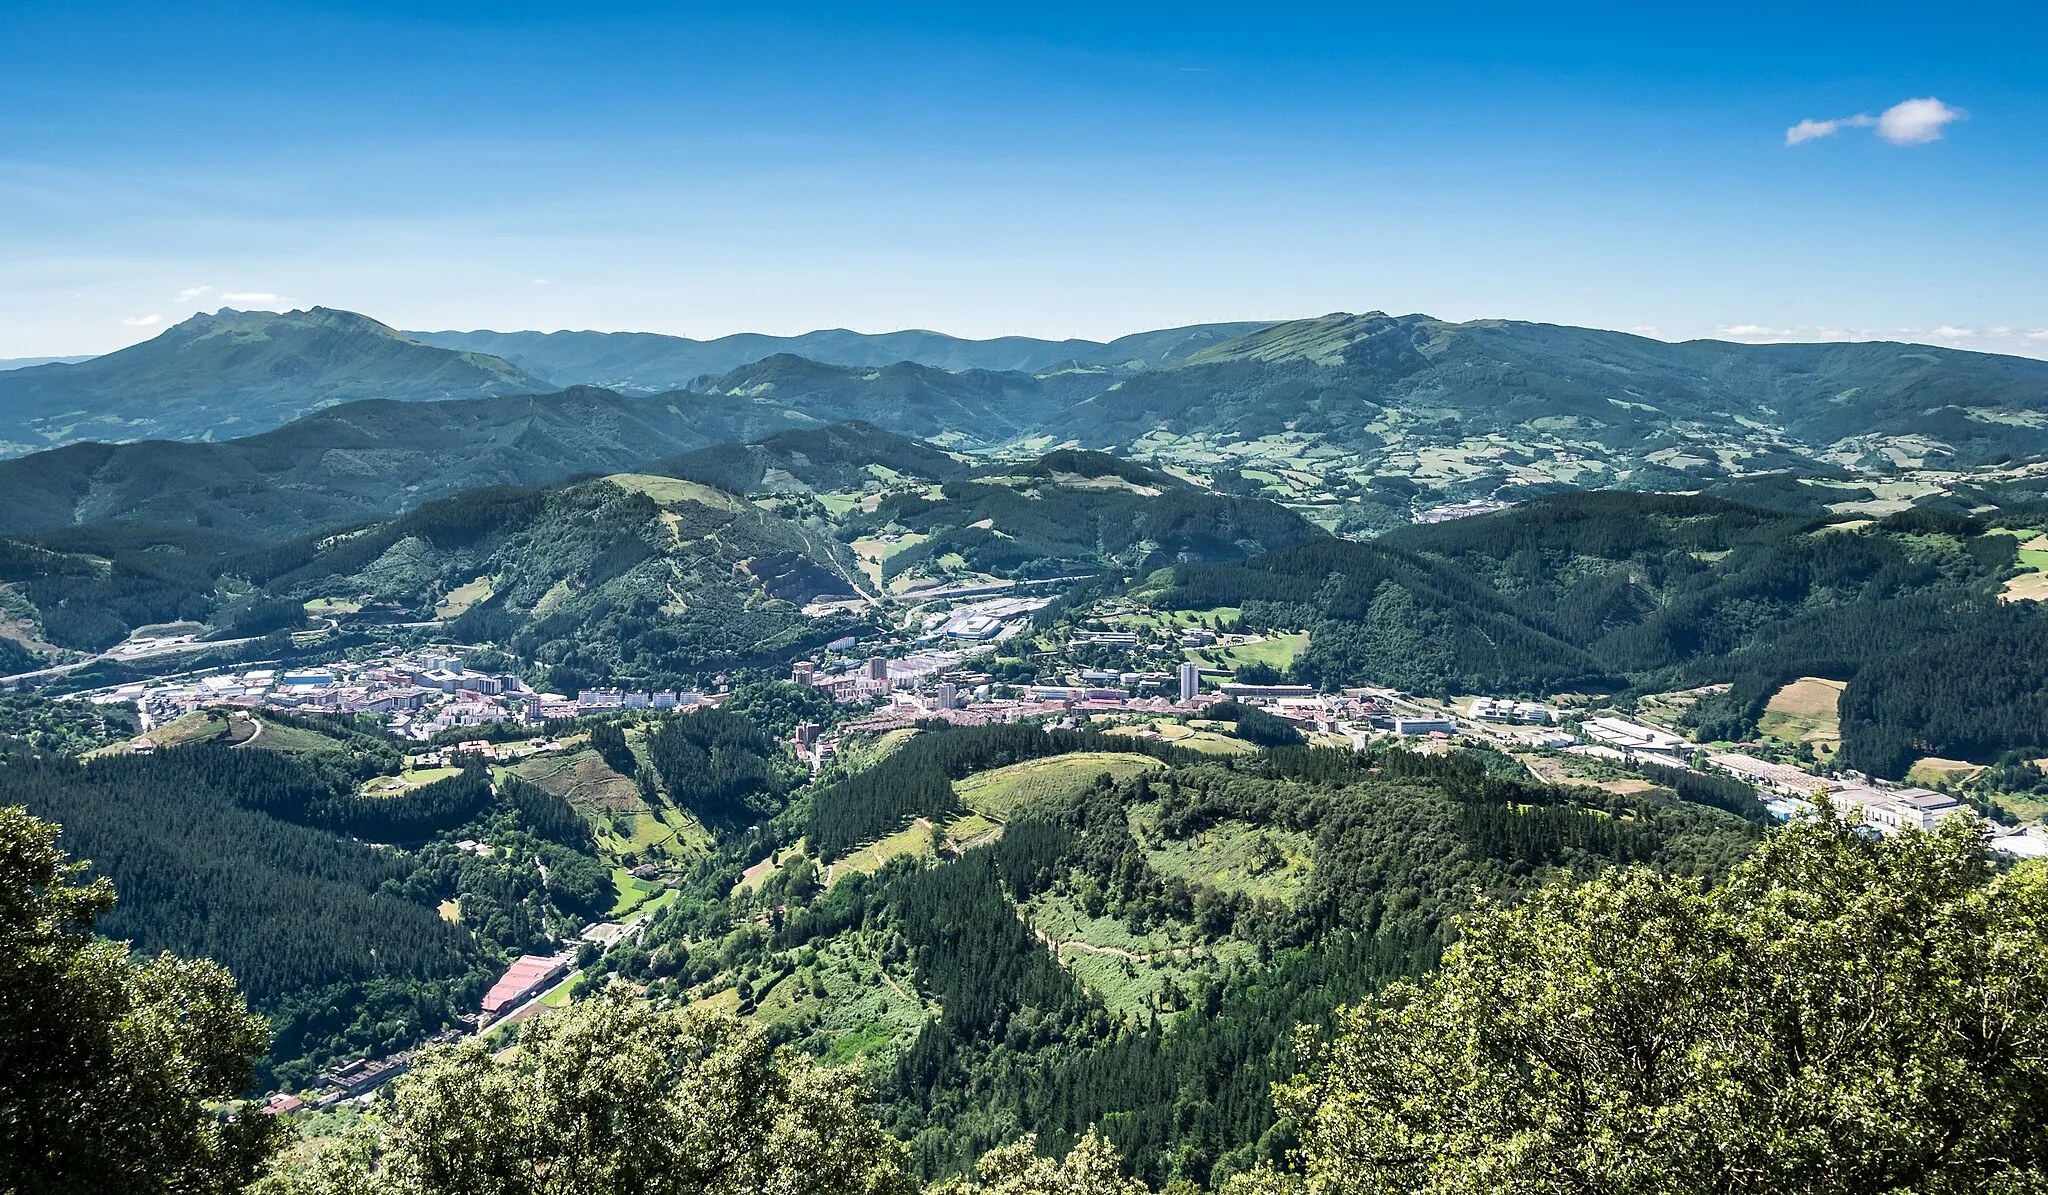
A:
[(421, 695), (352, 1080)]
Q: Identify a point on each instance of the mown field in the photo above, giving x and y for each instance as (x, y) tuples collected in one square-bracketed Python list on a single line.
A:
[(1000, 793), (1805, 712)]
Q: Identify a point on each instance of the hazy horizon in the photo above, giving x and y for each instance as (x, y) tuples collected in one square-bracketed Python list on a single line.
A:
[(1755, 336)]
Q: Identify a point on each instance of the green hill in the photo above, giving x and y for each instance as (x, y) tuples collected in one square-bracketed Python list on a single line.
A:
[(842, 456), (1135, 936), (1063, 513), (630, 577), (1379, 615), (1654, 592), (363, 461), (237, 372)]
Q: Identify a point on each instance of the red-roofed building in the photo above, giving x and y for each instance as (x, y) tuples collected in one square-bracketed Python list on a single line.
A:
[(524, 979)]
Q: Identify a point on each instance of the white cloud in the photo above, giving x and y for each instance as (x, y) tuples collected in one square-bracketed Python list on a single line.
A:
[(542, 282), (194, 292), (1814, 130), (250, 296), (1916, 122), (1799, 333), (1908, 122), (2000, 338), (143, 321)]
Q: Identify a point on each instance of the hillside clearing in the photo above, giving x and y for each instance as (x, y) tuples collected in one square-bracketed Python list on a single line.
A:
[(1805, 711), (1934, 770), (583, 779), (1001, 792), (915, 839)]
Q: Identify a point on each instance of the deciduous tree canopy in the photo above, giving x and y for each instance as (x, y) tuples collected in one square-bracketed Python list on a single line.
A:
[(1842, 1015), (104, 1060), (610, 1096)]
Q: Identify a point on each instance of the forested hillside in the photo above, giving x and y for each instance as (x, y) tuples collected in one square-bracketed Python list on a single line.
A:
[(976, 407), (1617, 591), (86, 588), (264, 858), (363, 461), (649, 363), (1132, 954), (1379, 615), (1370, 377), (633, 577), (1074, 512), (842, 456)]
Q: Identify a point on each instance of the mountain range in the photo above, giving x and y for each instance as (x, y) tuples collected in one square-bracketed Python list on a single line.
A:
[(649, 363), (1612, 386), (1357, 420), (1491, 403)]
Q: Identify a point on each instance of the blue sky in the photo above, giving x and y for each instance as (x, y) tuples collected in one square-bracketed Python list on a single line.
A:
[(1047, 169)]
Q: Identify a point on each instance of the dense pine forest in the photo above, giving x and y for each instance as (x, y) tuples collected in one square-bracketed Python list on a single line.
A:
[(322, 902)]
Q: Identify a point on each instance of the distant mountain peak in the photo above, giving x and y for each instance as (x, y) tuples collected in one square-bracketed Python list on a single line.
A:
[(1322, 339), (232, 372)]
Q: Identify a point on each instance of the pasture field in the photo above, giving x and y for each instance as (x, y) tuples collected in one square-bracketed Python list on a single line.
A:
[(1934, 770), (1275, 651), (857, 753), (276, 736), (674, 489), (1000, 793), (333, 606), (1805, 711), (199, 726), (967, 831), (404, 782), (632, 893), (918, 838), (1204, 738), (581, 778), (1178, 620), (462, 597)]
